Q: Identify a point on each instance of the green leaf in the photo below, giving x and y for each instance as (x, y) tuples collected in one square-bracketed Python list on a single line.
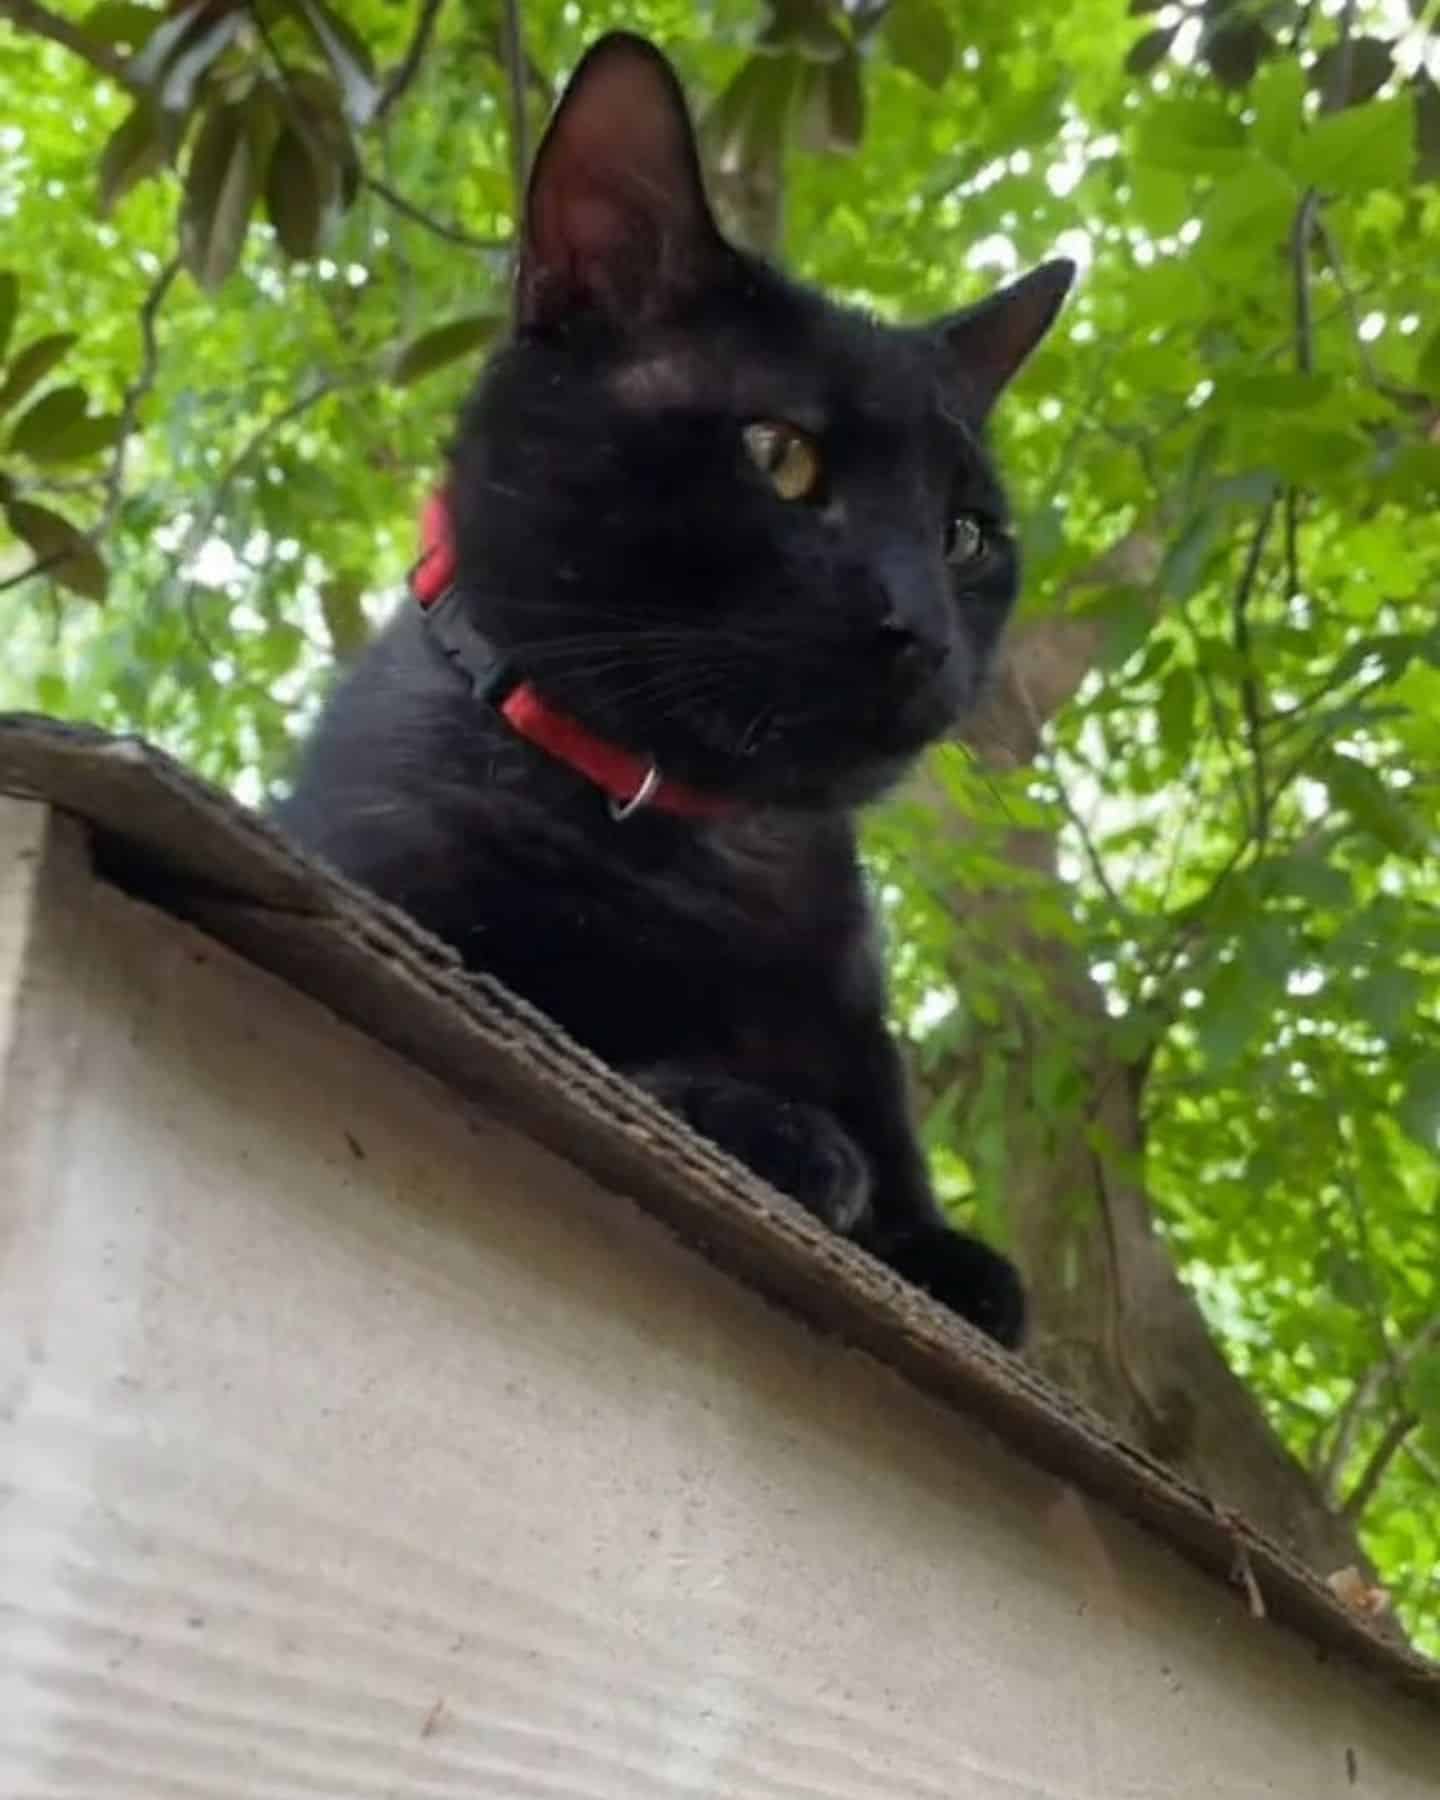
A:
[(1418, 1113), (177, 54), (1235, 1008), (1427, 127), (1234, 52), (1373, 806), (81, 438), (46, 419), (348, 56), (1311, 457), (844, 103), (920, 40), (122, 22), (806, 28), (747, 124), (1187, 556), (136, 148), (1148, 51), (1162, 200), (1310, 878), (1366, 65), (1192, 135), (68, 555), (444, 344), (1386, 998), (301, 193), (345, 621), (219, 193), (1427, 369), (1422, 1386), (1361, 148), (1278, 97), (1175, 715), (30, 366), (1271, 393), (1253, 202), (9, 307)]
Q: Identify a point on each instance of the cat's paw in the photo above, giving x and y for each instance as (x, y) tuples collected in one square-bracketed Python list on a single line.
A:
[(967, 1276), (797, 1148)]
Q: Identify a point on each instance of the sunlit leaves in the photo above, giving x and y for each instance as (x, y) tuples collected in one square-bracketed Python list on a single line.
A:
[(1363, 147), (349, 57), (444, 344), (139, 146), (31, 364), (920, 38), (60, 551)]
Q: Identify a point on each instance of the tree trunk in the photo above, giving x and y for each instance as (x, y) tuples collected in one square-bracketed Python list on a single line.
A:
[(1112, 1322)]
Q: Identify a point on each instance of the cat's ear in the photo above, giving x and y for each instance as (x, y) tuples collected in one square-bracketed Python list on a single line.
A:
[(616, 218), (986, 344)]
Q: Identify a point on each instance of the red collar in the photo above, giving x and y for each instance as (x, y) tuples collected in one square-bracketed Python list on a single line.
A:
[(631, 781)]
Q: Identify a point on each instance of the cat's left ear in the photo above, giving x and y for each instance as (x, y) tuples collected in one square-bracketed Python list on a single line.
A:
[(986, 344), (616, 219)]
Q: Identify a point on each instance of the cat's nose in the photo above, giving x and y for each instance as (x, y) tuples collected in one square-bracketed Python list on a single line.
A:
[(909, 652)]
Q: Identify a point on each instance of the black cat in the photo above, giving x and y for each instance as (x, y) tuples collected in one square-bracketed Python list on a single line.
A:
[(716, 558)]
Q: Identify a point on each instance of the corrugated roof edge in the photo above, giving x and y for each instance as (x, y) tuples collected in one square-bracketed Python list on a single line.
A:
[(184, 846)]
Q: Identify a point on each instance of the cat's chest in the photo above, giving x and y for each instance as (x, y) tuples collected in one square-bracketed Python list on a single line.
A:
[(739, 938)]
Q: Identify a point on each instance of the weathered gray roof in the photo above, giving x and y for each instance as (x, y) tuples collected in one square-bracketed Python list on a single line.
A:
[(187, 848)]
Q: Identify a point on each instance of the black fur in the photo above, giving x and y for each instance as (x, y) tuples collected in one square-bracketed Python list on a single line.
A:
[(617, 544)]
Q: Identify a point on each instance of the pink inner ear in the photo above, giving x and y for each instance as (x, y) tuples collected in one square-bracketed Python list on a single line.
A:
[(616, 210), (594, 222)]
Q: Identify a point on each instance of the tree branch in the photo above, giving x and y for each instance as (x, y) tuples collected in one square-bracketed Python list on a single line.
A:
[(1306, 216), (136, 394), (1249, 681), (1389, 1369), (451, 233), (1380, 1458), (41, 566), (39, 21), (409, 66)]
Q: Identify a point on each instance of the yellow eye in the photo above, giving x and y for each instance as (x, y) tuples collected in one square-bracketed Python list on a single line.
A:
[(787, 456)]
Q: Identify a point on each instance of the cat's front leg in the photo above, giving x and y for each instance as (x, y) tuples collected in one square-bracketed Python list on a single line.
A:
[(796, 1147), (906, 1227)]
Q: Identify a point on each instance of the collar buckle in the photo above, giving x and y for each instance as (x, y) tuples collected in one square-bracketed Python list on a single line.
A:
[(620, 810)]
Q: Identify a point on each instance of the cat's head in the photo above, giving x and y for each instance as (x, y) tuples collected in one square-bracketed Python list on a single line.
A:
[(718, 518)]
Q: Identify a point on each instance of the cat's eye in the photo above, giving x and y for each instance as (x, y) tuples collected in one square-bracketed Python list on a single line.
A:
[(787, 456), (966, 540)]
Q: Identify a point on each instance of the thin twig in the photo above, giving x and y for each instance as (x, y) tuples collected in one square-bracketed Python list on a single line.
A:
[(1082, 831), (1306, 216), (28, 15), (1249, 682), (253, 445), (1349, 298), (451, 233), (1380, 1458), (1422, 1461), (136, 394), (41, 566), (513, 38), (1217, 717), (1304, 228), (409, 65), (1339, 85)]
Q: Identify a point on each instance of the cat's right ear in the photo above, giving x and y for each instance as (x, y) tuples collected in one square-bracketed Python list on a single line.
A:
[(616, 220)]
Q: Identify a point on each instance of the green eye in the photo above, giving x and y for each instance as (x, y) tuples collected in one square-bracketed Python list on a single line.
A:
[(787, 456), (966, 540)]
